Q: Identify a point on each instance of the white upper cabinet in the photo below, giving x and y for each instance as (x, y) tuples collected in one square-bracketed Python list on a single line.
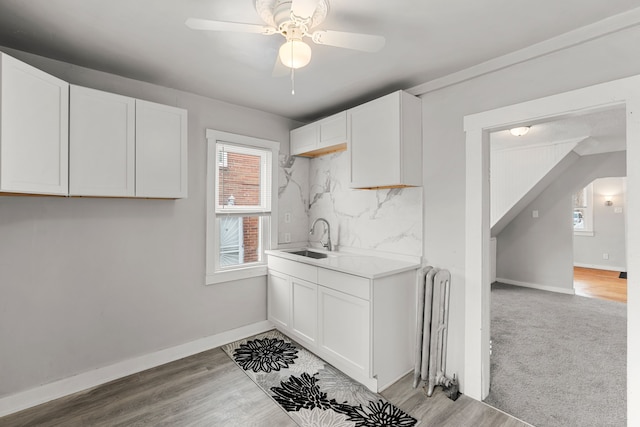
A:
[(161, 151), (57, 140), (101, 144), (34, 130), (304, 139), (321, 137), (385, 142)]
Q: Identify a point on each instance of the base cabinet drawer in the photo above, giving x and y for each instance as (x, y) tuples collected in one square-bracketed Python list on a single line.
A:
[(343, 282)]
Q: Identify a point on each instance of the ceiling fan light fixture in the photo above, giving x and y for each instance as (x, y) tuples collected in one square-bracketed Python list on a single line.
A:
[(295, 53)]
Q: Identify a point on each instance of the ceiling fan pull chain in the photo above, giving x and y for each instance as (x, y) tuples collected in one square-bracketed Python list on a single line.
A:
[(293, 83)]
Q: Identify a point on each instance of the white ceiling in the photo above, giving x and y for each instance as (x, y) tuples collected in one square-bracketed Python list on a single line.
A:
[(596, 132), (426, 39)]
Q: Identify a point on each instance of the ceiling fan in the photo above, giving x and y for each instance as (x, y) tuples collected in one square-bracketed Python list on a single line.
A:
[(294, 19)]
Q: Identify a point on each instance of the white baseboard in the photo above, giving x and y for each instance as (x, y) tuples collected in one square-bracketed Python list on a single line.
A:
[(537, 286), (47, 392), (600, 267)]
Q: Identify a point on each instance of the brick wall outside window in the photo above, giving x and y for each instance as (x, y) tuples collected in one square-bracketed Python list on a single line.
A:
[(241, 179)]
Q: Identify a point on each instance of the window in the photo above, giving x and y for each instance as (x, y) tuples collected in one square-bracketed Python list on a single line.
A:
[(583, 211), (222, 159), (240, 182)]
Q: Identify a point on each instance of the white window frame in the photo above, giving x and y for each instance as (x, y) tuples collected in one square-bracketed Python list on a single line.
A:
[(587, 213), (215, 274)]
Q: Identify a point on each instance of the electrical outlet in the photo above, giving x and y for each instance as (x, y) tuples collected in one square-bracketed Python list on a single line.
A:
[(617, 209), (287, 237), (605, 256), (534, 214), (287, 217)]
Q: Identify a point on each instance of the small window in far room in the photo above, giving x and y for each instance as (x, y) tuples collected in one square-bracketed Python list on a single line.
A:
[(239, 209), (583, 211)]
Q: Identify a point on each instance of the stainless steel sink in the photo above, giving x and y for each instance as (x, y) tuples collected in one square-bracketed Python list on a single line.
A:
[(309, 254)]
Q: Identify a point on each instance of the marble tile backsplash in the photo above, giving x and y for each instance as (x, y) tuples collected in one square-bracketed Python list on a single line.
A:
[(293, 200), (387, 220)]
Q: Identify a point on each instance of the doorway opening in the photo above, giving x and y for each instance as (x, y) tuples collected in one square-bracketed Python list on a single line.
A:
[(539, 328), (624, 92), (599, 241)]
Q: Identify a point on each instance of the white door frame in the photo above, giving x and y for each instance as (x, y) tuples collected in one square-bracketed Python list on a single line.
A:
[(477, 287)]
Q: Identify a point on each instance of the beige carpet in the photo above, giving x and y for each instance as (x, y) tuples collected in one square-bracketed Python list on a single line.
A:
[(558, 360)]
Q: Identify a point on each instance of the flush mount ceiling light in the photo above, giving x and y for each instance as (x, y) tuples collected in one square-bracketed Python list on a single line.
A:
[(293, 19), (520, 131)]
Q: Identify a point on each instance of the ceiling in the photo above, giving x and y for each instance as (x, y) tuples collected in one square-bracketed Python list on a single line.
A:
[(596, 132), (425, 39)]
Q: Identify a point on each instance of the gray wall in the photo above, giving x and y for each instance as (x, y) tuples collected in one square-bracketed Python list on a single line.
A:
[(608, 227), (86, 283), (539, 251), (603, 59), (168, 305)]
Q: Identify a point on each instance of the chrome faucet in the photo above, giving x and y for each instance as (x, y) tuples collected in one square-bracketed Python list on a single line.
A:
[(328, 228)]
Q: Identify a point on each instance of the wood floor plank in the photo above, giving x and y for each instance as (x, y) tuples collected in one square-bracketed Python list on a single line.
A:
[(208, 389), (593, 283), (439, 410)]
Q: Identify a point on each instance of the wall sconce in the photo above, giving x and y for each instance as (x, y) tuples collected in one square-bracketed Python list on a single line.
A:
[(608, 201)]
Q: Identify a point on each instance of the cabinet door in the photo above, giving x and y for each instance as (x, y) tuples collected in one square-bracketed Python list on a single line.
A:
[(304, 302), (101, 144), (278, 299), (304, 139), (161, 150), (34, 136), (374, 142), (343, 330), (332, 130)]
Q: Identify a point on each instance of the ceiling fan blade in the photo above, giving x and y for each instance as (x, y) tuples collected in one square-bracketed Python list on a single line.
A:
[(208, 25), (304, 8), (357, 41)]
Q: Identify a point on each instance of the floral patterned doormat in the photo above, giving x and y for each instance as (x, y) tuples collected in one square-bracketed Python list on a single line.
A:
[(312, 392)]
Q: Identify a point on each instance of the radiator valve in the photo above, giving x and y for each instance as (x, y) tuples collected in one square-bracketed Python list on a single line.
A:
[(452, 389)]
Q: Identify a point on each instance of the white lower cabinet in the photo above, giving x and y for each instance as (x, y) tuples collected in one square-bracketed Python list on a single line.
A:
[(364, 327), (344, 330), (279, 301), (304, 309)]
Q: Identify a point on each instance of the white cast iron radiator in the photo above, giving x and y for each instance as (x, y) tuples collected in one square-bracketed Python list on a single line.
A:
[(431, 332)]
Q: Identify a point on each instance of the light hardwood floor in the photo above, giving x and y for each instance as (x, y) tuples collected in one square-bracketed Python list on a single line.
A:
[(603, 284), (208, 389)]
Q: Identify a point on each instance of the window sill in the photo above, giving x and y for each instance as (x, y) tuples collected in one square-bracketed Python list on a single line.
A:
[(236, 274), (584, 233)]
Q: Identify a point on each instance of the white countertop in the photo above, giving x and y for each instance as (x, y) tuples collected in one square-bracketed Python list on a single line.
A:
[(370, 267)]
